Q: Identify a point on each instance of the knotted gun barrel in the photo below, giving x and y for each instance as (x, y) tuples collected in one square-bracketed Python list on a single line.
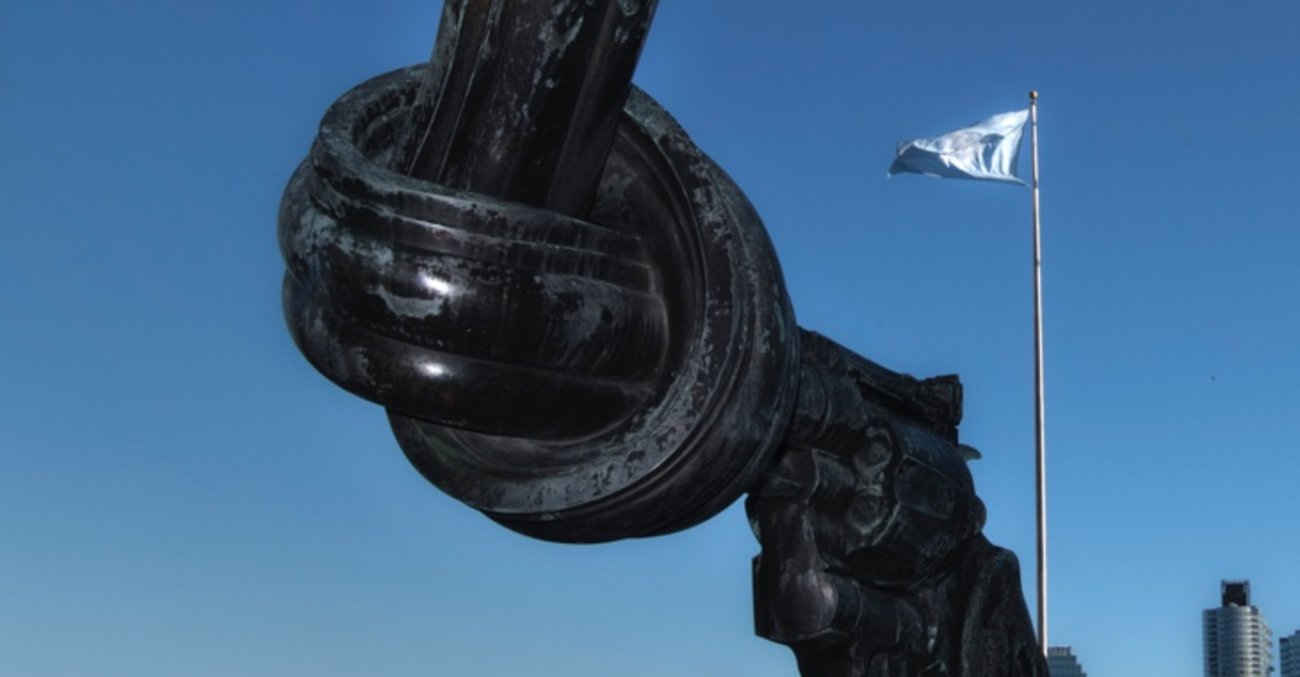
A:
[(578, 326), (574, 318)]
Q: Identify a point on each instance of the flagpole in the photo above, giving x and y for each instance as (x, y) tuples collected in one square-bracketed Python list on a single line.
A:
[(1040, 437)]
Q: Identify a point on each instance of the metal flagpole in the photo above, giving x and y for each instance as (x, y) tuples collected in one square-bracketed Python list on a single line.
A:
[(1040, 437)]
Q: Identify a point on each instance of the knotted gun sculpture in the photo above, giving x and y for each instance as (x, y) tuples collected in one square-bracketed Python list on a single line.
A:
[(578, 326)]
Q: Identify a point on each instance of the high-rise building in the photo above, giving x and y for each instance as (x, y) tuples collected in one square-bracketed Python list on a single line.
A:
[(1290, 655), (1061, 662), (1238, 642)]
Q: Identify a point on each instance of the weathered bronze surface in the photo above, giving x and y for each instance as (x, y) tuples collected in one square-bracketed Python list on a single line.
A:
[(578, 326), (873, 562)]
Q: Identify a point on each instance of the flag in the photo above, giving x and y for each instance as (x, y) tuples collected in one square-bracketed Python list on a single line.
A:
[(986, 150)]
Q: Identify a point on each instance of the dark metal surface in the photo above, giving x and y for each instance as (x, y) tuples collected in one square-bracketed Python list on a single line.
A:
[(575, 382), (522, 98), (578, 326), (872, 560)]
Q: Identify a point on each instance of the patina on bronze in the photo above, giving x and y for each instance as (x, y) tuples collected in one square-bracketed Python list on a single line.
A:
[(578, 326)]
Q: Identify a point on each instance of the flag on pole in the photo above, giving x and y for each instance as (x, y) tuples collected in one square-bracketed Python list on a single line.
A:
[(989, 150), (986, 150)]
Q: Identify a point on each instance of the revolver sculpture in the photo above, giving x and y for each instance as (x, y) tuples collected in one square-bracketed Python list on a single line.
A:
[(578, 326)]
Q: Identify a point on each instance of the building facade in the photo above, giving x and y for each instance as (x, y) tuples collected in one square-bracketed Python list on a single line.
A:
[(1238, 641), (1290, 655), (1061, 662)]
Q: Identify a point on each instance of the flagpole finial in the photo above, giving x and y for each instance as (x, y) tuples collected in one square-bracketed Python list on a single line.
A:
[(1033, 95)]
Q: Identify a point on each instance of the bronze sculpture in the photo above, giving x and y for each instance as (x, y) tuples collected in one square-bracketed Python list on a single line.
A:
[(579, 327)]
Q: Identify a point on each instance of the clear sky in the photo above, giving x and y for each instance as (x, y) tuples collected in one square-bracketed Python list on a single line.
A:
[(180, 493)]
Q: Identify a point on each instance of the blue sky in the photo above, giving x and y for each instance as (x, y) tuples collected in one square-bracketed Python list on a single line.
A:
[(181, 494)]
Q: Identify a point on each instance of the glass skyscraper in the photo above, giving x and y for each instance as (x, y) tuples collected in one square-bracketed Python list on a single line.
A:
[(1061, 662), (1290, 655), (1238, 642)]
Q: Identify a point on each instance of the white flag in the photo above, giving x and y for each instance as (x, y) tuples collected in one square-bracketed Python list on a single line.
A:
[(986, 150)]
